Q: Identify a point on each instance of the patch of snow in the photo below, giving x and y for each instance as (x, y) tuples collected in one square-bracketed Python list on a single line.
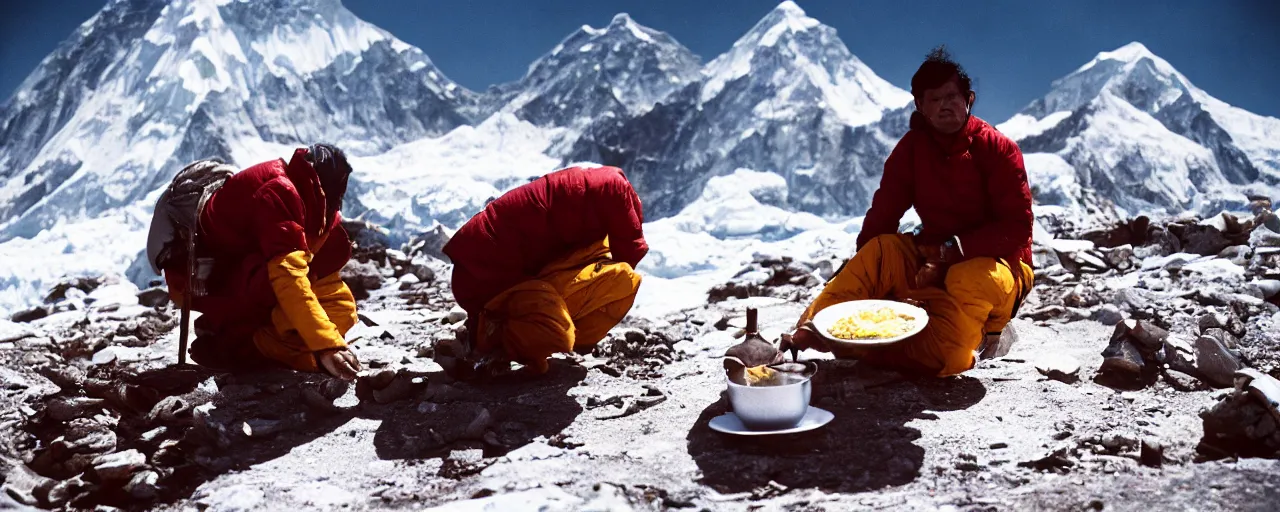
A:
[(1021, 126), (1218, 268), (540, 499), (102, 246)]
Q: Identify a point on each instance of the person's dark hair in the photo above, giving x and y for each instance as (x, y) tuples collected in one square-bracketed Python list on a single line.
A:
[(937, 69), (333, 170)]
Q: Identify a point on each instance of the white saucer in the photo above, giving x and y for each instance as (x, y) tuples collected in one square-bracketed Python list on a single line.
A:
[(730, 424)]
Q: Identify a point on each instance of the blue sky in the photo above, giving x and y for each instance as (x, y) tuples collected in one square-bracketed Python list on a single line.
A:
[(1013, 49)]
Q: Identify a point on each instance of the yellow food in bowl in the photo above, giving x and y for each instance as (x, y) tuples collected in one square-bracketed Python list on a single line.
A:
[(873, 324), (760, 375)]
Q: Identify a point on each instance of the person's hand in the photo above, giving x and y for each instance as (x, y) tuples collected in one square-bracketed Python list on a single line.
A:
[(805, 338), (913, 302), (339, 362), (930, 274), (930, 252)]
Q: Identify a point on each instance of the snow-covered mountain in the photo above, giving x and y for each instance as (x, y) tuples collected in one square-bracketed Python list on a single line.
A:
[(777, 144), (146, 86), (617, 71), (1137, 132), (788, 98)]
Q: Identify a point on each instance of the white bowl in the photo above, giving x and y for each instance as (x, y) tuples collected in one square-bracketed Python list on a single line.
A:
[(825, 319), (773, 407)]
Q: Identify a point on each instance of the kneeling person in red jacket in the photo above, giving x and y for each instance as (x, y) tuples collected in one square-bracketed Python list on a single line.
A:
[(970, 263), (275, 295), (548, 267)]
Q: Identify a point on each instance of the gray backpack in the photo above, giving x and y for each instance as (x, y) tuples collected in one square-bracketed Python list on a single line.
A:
[(175, 224), (176, 219)]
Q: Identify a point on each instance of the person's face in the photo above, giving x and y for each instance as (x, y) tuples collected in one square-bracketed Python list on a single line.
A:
[(946, 107)]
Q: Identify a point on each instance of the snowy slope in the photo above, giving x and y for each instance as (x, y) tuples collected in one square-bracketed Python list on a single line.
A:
[(788, 98), (1139, 133), (144, 87), (448, 179), (733, 219)]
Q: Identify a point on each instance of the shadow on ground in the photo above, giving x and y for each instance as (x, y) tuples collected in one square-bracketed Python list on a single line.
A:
[(256, 417), (867, 446), (496, 416), (185, 432)]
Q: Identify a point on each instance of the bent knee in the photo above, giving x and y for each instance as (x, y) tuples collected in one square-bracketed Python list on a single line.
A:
[(976, 273)]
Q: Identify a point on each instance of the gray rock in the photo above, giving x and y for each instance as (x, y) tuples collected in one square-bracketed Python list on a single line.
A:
[(1262, 236), (1151, 452), (1216, 365), (826, 269), (118, 466), (420, 270), (456, 315), (1120, 258), (236, 498), (68, 408), (430, 243), (1116, 441), (1090, 261), (1267, 288), (153, 297), (1238, 254), (1044, 257), (1059, 367), (143, 485), (1133, 299), (479, 424), (1228, 340), (1082, 297), (1203, 240), (361, 277), (1108, 314)]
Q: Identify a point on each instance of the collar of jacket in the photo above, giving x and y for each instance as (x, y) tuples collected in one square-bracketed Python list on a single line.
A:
[(307, 183), (950, 144)]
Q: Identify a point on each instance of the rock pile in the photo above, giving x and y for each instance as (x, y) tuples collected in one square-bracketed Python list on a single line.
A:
[(775, 276), (1186, 276)]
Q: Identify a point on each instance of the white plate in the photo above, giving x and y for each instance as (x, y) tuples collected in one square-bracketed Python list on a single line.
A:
[(829, 316), (730, 424)]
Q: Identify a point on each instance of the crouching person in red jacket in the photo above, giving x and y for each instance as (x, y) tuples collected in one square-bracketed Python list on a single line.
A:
[(969, 265), (548, 267), (274, 295)]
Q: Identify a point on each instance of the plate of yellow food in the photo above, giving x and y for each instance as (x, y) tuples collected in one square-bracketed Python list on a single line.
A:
[(870, 322)]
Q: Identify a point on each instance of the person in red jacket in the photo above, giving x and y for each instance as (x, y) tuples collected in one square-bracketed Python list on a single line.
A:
[(275, 294), (548, 267), (969, 264)]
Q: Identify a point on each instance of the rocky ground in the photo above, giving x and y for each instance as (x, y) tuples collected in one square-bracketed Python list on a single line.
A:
[(96, 412)]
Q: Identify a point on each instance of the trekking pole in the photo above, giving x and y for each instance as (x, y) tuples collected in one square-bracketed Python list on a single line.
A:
[(184, 330), (182, 333)]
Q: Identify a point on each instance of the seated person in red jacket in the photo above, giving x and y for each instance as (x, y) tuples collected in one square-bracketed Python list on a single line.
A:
[(548, 267), (275, 295), (970, 262)]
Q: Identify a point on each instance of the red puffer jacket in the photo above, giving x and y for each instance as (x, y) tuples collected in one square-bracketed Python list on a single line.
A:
[(260, 213), (527, 228), (972, 185)]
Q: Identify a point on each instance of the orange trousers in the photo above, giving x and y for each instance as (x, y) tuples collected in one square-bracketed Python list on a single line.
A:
[(569, 307), (979, 298), (281, 340)]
